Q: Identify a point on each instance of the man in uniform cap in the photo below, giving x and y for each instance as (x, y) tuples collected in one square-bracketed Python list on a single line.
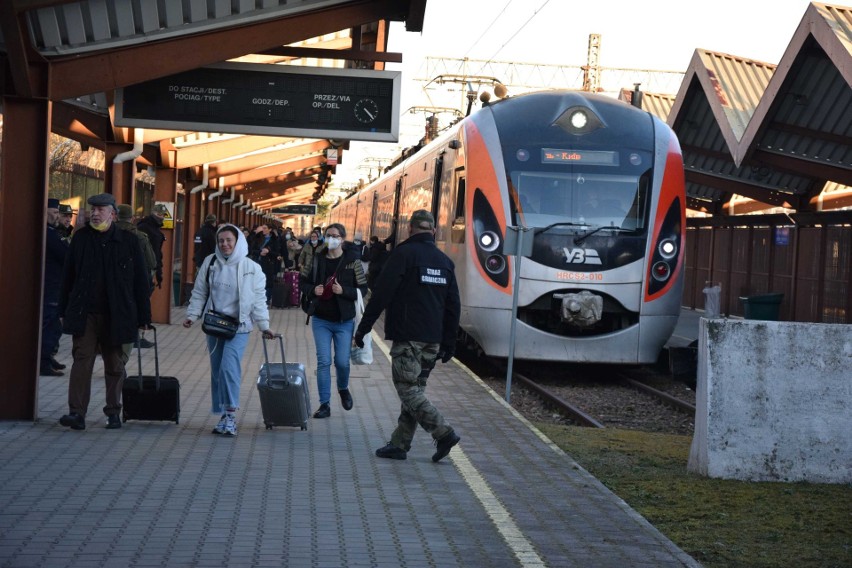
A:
[(417, 287), (51, 328), (63, 226), (97, 311)]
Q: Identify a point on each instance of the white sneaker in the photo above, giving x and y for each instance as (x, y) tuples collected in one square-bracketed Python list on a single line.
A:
[(220, 427), (230, 428)]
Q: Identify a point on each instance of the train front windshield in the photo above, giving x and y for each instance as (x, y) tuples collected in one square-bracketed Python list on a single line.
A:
[(585, 189)]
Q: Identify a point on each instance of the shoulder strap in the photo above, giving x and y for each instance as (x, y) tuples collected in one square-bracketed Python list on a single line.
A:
[(209, 288)]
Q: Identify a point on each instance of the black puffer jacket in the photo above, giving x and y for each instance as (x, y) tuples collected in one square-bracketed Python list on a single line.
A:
[(350, 275), (125, 281)]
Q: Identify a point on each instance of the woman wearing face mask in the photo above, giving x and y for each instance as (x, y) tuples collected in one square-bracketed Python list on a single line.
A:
[(331, 282), (236, 286), (307, 252)]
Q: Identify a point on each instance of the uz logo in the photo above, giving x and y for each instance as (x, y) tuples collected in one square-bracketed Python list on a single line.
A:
[(581, 256)]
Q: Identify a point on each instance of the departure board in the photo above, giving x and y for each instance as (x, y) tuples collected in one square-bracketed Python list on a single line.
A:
[(274, 100)]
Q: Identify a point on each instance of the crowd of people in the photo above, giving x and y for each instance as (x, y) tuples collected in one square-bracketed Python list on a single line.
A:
[(100, 275)]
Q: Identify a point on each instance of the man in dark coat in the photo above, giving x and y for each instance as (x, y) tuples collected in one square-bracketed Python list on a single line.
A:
[(103, 301), (205, 241), (418, 288), (151, 225), (54, 259)]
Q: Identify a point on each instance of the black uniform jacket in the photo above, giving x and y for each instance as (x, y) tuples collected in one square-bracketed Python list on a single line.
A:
[(418, 287), (126, 282)]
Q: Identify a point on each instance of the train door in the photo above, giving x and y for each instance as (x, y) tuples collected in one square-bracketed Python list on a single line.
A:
[(374, 209), (458, 230), (436, 185), (397, 197)]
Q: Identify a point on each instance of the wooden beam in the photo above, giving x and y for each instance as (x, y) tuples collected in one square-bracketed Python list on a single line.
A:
[(208, 153), (72, 76), (261, 159)]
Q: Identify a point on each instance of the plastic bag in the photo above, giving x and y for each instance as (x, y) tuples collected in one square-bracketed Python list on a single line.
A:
[(361, 355)]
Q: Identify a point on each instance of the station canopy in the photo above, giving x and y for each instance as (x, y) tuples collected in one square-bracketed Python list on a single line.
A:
[(79, 54)]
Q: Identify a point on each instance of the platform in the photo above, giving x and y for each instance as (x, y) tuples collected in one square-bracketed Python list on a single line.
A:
[(160, 494)]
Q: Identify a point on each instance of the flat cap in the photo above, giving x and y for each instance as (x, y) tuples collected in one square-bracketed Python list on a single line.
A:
[(420, 217), (52, 203), (210, 218), (65, 208), (125, 212), (160, 209), (101, 200)]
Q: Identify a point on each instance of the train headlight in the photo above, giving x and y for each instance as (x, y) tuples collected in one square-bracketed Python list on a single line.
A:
[(579, 119), (495, 264), (668, 249), (489, 241), (661, 271)]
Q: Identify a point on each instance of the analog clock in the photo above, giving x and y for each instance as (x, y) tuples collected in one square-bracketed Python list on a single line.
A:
[(366, 110)]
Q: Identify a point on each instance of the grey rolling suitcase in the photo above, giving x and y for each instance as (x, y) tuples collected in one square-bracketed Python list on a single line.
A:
[(284, 396)]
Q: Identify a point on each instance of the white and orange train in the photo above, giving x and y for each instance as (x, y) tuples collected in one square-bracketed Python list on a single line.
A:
[(598, 186)]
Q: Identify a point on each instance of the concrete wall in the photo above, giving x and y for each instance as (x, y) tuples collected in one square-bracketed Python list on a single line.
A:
[(774, 401)]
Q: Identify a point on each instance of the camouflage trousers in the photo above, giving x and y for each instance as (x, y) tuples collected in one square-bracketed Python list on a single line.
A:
[(412, 363)]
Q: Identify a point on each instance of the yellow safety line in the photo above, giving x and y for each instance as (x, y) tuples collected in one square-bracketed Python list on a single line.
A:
[(522, 548)]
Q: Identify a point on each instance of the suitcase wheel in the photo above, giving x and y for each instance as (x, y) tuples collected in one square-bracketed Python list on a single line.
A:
[(304, 426), (268, 425)]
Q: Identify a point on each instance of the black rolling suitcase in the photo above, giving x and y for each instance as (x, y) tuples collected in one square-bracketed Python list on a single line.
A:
[(150, 398), (283, 389), (280, 293)]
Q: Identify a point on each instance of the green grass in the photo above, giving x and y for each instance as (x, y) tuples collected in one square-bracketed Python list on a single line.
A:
[(720, 523)]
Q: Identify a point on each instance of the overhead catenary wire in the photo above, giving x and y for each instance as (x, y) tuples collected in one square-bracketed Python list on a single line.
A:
[(534, 14)]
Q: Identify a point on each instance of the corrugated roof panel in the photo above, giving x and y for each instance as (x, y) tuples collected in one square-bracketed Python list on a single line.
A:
[(839, 18), (90, 25), (658, 104), (738, 84)]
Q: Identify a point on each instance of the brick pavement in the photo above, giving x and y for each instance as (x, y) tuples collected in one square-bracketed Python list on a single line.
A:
[(160, 494)]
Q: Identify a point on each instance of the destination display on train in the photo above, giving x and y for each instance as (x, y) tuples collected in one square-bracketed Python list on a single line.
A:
[(274, 100), (588, 157)]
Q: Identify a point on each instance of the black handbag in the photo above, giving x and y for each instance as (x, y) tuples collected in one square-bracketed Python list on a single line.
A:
[(219, 325), (216, 323)]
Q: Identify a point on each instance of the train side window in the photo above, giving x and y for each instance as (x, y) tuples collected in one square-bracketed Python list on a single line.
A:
[(457, 235)]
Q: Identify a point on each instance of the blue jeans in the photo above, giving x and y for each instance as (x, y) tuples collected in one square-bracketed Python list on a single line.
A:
[(226, 371), (326, 332)]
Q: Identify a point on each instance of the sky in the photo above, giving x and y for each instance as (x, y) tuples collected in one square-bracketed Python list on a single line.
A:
[(650, 34)]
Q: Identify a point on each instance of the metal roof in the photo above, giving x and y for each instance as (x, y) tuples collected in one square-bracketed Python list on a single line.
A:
[(775, 134)]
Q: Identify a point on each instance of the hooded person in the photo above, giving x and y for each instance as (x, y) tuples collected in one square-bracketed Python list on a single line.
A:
[(230, 283)]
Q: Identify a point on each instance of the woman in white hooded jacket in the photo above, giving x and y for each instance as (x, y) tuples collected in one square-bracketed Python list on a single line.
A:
[(236, 286)]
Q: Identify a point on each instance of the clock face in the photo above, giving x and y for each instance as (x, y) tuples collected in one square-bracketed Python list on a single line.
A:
[(366, 110)]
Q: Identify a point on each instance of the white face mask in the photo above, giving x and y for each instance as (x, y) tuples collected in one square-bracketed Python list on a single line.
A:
[(314, 241), (332, 243)]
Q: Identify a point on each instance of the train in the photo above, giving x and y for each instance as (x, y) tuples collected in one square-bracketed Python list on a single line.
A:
[(564, 208)]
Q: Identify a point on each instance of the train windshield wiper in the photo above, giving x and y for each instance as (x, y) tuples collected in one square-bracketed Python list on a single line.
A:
[(562, 224), (580, 238)]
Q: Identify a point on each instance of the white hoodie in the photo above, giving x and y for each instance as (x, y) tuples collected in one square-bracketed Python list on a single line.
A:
[(238, 286)]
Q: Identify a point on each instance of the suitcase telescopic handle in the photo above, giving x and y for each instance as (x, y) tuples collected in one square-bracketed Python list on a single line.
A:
[(280, 339), (156, 360)]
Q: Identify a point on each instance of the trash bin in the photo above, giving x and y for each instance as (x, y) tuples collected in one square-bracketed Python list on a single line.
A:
[(762, 307), (712, 299)]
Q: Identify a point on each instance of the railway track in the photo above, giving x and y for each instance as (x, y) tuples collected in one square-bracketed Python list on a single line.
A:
[(595, 396)]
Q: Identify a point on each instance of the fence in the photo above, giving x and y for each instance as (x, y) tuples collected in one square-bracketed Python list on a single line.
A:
[(805, 256)]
